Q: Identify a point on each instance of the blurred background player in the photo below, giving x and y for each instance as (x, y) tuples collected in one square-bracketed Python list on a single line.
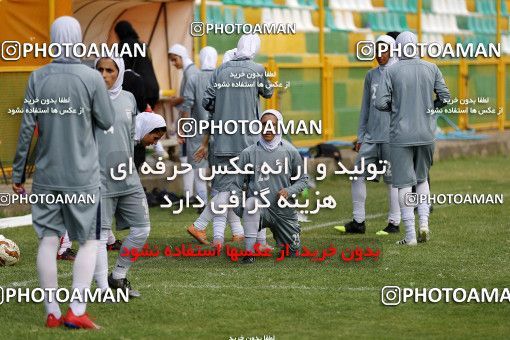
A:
[(230, 103), (407, 90), (67, 143), (274, 151), (192, 108), (193, 95), (394, 35), (140, 65), (373, 147), (122, 195), (180, 59)]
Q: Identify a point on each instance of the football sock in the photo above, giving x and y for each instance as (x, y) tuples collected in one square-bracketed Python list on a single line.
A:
[(205, 217), (220, 219), (407, 214), (235, 223), (187, 179), (47, 270), (111, 237), (101, 270), (261, 236), (394, 215), (251, 224), (83, 271), (135, 239), (200, 186), (359, 195), (423, 190)]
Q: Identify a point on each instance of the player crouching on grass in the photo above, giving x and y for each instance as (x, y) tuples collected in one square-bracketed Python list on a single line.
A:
[(274, 151), (122, 195), (407, 90), (373, 147)]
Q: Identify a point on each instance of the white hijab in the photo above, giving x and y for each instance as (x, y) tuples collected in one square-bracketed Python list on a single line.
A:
[(146, 122), (247, 47), (66, 30), (114, 91), (275, 142), (208, 58), (182, 52), (229, 55), (390, 41), (404, 39)]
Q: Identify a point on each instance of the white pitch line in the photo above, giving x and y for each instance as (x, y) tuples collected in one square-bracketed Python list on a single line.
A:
[(28, 282), (211, 286), (17, 221), (267, 287), (368, 217)]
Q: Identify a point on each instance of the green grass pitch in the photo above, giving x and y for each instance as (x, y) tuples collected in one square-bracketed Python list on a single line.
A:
[(213, 298)]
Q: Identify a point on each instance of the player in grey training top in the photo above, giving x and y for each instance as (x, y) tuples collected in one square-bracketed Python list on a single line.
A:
[(67, 100), (232, 94), (193, 95), (407, 90), (373, 146), (192, 108), (272, 150), (180, 59), (122, 194)]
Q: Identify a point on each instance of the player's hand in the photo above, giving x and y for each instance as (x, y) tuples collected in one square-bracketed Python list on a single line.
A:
[(283, 193), (180, 139), (18, 188), (357, 147), (173, 101), (200, 154)]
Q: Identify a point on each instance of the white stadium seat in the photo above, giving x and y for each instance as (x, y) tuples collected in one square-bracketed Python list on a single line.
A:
[(296, 18), (306, 15), (267, 17)]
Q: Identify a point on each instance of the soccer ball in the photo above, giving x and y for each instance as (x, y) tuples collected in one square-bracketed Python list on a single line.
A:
[(9, 252)]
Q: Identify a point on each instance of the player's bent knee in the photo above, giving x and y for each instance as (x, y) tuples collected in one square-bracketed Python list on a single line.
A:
[(250, 203), (139, 234)]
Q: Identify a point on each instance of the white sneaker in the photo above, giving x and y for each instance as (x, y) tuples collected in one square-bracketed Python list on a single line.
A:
[(423, 234), (407, 243)]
